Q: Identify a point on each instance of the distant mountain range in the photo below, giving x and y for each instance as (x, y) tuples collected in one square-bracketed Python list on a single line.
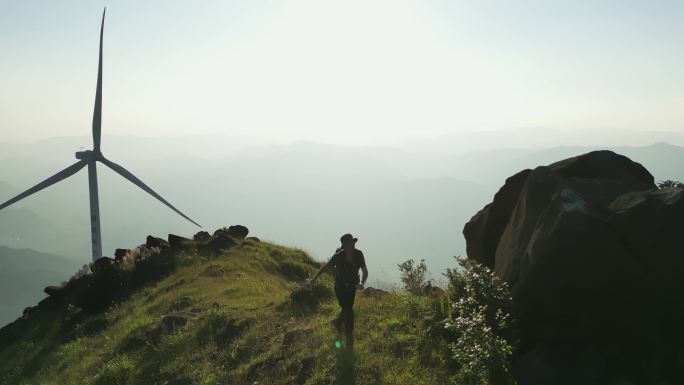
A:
[(23, 275), (402, 203)]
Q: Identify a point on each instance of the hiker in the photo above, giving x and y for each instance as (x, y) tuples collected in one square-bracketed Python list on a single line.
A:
[(346, 262)]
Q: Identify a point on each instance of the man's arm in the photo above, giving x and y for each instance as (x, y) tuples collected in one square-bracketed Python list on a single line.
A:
[(364, 271), (320, 271)]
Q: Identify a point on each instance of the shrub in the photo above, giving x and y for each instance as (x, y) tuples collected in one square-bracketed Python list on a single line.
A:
[(82, 272), (117, 371), (480, 321), (434, 338), (670, 183), (305, 299), (413, 275)]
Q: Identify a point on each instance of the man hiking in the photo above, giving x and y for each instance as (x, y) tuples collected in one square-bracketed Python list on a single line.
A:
[(346, 263)]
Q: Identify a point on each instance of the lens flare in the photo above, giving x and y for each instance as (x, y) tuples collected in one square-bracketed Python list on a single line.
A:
[(338, 345)]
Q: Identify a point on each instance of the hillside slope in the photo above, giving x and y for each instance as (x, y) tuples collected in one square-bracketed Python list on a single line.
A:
[(236, 316), (23, 276)]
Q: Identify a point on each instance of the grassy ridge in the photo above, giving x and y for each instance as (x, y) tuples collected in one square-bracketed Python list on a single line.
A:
[(245, 325)]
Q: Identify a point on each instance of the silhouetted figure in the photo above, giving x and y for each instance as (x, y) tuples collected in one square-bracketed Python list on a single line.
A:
[(346, 263)]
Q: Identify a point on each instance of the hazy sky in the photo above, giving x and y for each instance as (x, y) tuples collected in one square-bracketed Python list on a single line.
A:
[(352, 71)]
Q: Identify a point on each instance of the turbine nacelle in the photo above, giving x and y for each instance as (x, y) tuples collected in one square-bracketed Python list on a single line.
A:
[(89, 155)]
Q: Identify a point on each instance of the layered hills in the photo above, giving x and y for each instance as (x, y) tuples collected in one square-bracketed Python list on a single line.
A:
[(23, 275)]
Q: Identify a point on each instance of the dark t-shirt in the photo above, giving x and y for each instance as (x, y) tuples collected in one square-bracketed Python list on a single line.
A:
[(347, 273)]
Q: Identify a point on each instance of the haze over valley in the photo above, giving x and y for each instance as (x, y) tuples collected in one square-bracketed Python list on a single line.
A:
[(402, 200)]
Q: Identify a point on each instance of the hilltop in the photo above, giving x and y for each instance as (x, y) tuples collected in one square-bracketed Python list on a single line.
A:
[(217, 309)]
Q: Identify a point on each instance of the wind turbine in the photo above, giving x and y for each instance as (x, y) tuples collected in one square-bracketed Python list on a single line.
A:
[(90, 158)]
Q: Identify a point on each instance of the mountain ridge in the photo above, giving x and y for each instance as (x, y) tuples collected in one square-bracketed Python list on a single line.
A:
[(220, 309)]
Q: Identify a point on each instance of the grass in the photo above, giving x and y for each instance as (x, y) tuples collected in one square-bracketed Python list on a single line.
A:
[(243, 329)]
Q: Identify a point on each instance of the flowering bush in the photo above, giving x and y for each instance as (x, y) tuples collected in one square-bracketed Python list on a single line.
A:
[(480, 325)]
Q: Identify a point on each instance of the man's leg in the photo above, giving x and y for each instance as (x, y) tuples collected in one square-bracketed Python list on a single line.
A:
[(339, 320), (349, 316)]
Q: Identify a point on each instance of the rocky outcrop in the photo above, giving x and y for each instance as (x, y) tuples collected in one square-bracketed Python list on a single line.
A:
[(176, 242), (221, 240), (156, 242), (112, 281), (591, 250)]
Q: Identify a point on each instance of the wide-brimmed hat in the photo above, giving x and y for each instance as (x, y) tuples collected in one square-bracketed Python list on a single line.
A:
[(348, 237)]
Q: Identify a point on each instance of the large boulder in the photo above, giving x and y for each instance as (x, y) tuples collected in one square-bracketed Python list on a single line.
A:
[(485, 228), (590, 248)]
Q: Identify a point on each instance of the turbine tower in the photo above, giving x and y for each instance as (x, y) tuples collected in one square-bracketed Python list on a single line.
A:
[(90, 158)]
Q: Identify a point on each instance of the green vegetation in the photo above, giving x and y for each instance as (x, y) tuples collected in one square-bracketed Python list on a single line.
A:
[(670, 184), (413, 275), (241, 317), (480, 325)]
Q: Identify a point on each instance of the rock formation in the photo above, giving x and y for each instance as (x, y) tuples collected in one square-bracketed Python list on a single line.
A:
[(593, 254)]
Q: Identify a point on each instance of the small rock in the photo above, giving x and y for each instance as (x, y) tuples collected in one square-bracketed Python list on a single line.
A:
[(373, 292), (174, 321), (253, 239), (233, 329), (201, 236), (53, 291), (238, 231)]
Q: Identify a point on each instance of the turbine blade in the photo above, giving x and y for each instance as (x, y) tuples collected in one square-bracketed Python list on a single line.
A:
[(133, 179), (97, 114), (67, 172)]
